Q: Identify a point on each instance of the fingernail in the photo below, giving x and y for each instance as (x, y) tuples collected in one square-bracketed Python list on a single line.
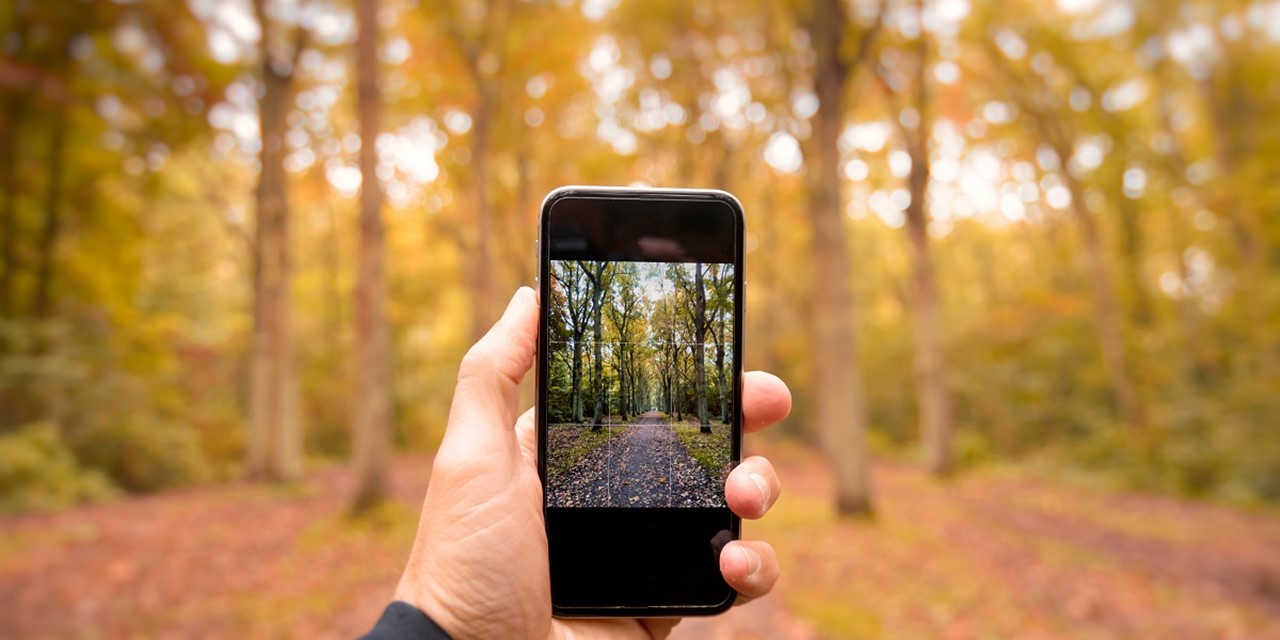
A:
[(752, 558), (763, 486), (517, 298)]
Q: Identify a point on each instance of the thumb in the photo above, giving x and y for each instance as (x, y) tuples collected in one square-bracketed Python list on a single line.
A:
[(485, 400)]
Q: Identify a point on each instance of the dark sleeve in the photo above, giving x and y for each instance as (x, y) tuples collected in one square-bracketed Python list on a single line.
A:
[(402, 621)]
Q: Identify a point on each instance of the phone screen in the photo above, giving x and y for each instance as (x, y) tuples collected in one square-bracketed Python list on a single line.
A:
[(638, 397)]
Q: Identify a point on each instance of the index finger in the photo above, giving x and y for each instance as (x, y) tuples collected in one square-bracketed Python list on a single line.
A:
[(765, 400)]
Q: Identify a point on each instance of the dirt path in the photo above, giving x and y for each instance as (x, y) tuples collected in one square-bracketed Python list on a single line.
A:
[(643, 466), (640, 465)]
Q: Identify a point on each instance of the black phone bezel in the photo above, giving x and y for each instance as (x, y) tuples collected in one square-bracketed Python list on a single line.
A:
[(690, 202)]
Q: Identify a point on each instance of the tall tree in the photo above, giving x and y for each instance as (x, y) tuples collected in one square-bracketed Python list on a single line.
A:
[(624, 313), (933, 394), (478, 44), (16, 106), (599, 274), (371, 425), (638, 374), (840, 400), (689, 332), (1106, 306), (15, 109), (722, 290), (1237, 124), (570, 277), (275, 430), (663, 326), (51, 228), (63, 68), (700, 346), (1059, 133)]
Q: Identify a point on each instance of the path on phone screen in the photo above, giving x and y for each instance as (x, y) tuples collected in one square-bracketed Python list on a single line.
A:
[(645, 465)]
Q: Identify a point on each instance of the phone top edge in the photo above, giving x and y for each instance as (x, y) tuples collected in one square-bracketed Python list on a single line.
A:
[(605, 191), (624, 188)]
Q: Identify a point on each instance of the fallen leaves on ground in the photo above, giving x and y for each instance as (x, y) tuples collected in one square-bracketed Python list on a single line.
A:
[(992, 554), (1004, 554)]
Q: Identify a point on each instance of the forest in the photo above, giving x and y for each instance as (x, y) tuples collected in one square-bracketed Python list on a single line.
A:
[(983, 233), (1018, 261), (631, 337), (640, 383)]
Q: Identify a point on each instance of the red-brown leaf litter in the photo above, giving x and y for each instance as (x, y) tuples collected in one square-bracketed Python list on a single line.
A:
[(991, 554)]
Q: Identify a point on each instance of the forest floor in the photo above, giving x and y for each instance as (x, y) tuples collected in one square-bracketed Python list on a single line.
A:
[(995, 553), (643, 464)]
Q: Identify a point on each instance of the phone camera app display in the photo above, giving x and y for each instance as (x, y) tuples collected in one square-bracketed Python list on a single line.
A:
[(639, 383)]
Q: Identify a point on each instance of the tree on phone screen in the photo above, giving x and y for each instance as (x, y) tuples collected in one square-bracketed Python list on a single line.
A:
[(624, 314), (571, 277), (599, 274)]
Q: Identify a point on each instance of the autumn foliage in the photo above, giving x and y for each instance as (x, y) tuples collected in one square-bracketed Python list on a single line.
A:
[(983, 238)]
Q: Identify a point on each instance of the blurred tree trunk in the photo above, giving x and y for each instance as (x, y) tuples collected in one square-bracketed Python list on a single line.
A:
[(985, 260), (62, 68), (1057, 134), (51, 227), (15, 112), (1191, 356), (372, 421), (525, 216), (700, 347), (275, 436), (1106, 308), (481, 269), (1234, 127), (933, 395), (1230, 116), (15, 115), (1154, 21), (1131, 250), (770, 275), (841, 405), (474, 49)]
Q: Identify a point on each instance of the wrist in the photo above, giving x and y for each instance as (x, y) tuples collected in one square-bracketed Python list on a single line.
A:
[(402, 620), (418, 590)]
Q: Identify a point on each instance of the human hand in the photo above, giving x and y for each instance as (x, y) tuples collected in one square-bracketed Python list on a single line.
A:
[(479, 563)]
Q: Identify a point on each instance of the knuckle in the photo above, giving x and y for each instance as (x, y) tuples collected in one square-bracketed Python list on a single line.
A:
[(478, 362)]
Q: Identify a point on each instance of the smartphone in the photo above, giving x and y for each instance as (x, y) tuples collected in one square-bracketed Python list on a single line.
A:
[(639, 397)]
